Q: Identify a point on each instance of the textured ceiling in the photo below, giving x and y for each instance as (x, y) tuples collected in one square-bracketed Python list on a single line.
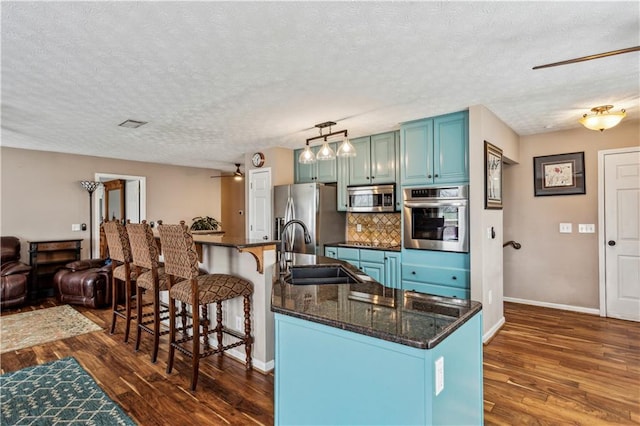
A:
[(217, 79)]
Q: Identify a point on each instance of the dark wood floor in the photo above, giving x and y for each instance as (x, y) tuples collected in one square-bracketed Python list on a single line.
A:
[(544, 367)]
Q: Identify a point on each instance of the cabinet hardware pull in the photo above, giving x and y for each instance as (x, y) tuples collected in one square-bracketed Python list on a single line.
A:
[(429, 176), (413, 272), (454, 277), (435, 175), (611, 243)]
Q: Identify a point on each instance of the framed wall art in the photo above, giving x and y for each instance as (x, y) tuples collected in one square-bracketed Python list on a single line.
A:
[(561, 174), (492, 176)]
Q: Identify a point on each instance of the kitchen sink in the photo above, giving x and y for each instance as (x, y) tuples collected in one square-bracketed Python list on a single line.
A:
[(314, 275)]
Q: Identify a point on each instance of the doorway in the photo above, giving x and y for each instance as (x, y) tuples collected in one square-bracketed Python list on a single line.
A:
[(132, 200), (260, 204), (619, 236)]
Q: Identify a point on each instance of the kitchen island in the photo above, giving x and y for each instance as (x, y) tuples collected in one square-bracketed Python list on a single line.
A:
[(351, 351)]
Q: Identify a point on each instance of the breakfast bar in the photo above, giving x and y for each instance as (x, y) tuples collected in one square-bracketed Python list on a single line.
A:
[(253, 260)]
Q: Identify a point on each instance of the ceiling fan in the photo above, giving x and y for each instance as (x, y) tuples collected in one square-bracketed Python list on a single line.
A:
[(236, 175), (590, 57)]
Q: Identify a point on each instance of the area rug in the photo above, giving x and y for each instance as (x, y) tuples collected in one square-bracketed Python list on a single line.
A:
[(59, 392), (33, 328)]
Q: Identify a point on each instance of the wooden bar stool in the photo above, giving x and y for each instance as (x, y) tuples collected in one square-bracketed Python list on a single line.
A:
[(120, 255), (181, 263), (150, 278)]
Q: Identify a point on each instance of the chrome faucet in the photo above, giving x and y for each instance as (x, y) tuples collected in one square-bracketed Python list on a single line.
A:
[(307, 240)]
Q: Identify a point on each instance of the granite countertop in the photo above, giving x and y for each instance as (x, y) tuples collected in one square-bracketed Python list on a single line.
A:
[(237, 242), (367, 307), (366, 245)]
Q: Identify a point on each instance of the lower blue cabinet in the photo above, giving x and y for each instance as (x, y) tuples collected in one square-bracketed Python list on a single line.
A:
[(436, 272)]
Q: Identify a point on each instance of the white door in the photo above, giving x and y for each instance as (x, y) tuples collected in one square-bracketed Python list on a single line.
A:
[(620, 239), (260, 204)]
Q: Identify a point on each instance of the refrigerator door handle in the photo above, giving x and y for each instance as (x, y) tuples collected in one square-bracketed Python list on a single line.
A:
[(289, 215)]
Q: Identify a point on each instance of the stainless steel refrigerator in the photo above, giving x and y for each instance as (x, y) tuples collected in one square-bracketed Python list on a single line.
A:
[(315, 205)]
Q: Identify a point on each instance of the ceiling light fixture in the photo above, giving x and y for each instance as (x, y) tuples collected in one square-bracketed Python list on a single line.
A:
[(602, 119), (238, 175), (326, 152)]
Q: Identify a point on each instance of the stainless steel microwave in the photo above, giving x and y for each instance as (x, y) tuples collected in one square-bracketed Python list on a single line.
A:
[(373, 198), (436, 218)]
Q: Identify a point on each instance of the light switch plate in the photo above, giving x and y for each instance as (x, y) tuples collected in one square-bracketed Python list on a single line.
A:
[(586, 228), (358, 228), (75, 226), (565, 228)]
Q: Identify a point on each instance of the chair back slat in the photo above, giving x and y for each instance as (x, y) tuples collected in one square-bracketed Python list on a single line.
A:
[(144, 249), (179, 251), (117, 241)]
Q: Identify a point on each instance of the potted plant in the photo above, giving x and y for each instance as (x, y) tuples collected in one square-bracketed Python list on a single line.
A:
[(204, 223)]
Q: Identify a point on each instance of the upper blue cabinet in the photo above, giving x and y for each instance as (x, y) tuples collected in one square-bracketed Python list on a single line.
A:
[(375, 160), (435, 150), (320, 171)]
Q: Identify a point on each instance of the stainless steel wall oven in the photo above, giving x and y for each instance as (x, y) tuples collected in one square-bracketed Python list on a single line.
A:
[(436, 218)]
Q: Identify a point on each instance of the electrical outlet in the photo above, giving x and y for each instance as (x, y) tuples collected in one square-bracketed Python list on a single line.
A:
[(358, 228), (238, 322), (490, 296), (565, 228), (75, 226), (439, 364)]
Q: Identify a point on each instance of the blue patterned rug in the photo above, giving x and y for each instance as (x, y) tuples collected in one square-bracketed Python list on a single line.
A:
[(55, 393)]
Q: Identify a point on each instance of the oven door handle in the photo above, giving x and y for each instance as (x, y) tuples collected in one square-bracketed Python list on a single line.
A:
[(435, 204)]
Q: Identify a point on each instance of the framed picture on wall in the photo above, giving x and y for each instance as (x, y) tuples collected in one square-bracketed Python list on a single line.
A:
[(561, 174), (492, 176)]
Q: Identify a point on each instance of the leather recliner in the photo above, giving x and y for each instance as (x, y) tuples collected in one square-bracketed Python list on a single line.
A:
[(84, 282), (14, 275)]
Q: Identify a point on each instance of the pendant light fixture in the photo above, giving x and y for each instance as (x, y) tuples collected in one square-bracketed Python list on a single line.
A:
[(326, 152), (602, 119)]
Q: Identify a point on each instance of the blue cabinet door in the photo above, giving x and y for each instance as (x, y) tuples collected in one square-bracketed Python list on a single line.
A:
[(303, 173), (416, 150), (343, 182), (326, 170), (451, 148), (331, 252), (392, 274), (360, 165), (383, 158), (374, 270)]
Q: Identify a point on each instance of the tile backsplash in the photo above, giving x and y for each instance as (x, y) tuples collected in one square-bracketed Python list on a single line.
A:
[(375, 228)]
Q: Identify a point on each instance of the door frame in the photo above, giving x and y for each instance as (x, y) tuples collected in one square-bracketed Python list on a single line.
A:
[(601, 223), (101, 177)]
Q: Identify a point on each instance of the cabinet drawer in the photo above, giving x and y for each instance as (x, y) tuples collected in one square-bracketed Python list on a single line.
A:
[(56, 245), (441, 276), (331, 252), (438, 290), (346, 253), (375, 256)]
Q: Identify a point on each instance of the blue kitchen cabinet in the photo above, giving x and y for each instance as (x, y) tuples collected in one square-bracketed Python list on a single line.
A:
[(325, 171), (331, 252), (350, 255), (392, 269), (342, 183), (375, 162), (327, 375), (372, 264), (435, 150), (436, 272)]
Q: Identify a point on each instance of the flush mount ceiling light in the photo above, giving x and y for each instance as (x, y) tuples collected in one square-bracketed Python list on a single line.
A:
[(132, 124), (602, 119), (326, 152)]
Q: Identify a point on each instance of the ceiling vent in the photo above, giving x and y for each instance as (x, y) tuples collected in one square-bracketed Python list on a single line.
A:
[(132, 124)]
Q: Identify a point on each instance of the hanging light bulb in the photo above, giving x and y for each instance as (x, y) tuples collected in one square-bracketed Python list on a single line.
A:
[(325, 153), (346, 149), (307, 156)]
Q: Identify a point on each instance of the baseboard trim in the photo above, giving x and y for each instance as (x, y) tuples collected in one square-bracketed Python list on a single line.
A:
[(492, 331), (581, 309), (263, 367)]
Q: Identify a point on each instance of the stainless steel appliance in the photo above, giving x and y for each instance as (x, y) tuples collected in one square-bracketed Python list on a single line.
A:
[(374, 198), (315, 205), (436, 218)]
